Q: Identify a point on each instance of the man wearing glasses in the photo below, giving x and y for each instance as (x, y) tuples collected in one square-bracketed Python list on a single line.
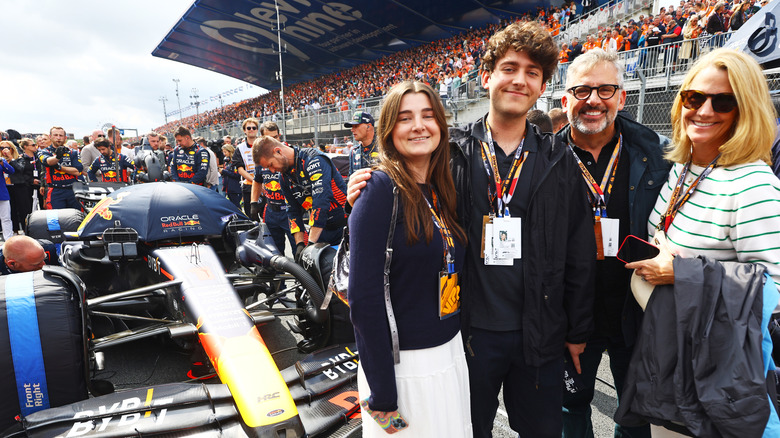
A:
[(625, 160), (242, 160)]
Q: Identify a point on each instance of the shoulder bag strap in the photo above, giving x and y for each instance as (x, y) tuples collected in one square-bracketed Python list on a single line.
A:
[(388, 259)]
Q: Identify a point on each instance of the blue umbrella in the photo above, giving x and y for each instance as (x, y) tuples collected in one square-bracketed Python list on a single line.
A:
[(161, 210)]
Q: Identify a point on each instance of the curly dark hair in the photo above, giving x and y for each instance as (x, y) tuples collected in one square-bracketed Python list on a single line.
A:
[(528, 37)]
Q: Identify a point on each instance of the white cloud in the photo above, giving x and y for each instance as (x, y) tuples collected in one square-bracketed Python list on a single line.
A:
[(83, 63)]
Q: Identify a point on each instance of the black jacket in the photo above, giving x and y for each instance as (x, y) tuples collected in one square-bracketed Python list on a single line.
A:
[(648, 171), (24, 166), (558, 246), (698, 360)]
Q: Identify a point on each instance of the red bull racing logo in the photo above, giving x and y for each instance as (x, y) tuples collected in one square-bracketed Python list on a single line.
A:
[(109, 174), (180, 222), (103, 210), (184, 168), (273, 186)]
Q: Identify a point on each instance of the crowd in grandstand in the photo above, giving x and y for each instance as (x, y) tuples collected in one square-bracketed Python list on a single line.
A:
[(667, 30), (447, 64), (443, 64)]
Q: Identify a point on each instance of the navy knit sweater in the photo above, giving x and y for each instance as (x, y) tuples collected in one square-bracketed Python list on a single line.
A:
[(414, 282)]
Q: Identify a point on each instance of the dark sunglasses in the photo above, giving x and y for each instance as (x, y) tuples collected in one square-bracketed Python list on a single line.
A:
[(251, 128), (604, 92), (721, 102), (101, 136)]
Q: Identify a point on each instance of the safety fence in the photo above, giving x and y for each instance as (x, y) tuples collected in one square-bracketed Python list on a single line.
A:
[(605, 14), (652, 78)]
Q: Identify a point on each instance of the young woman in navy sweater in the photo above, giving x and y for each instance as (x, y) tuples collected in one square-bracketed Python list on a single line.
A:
[(426, 394)]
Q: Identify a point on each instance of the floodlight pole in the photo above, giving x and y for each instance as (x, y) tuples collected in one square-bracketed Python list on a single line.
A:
[(281, 75), (177, 96), (195, 96), (164, 99)]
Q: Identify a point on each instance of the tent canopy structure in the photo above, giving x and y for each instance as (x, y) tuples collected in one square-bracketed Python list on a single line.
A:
[(238, 38)]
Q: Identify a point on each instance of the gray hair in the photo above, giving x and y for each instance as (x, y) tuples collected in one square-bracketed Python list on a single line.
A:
[(591, 59)]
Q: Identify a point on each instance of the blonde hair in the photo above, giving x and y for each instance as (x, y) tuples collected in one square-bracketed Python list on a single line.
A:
[(14, 151), (754, 127)]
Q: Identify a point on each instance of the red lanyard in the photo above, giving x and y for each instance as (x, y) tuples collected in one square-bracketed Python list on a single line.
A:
[(446, 235), (599, 193), (502, 193), (678, 198)]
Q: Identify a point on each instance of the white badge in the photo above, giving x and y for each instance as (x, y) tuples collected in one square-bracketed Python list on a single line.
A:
[(610, 229), (502, 241)]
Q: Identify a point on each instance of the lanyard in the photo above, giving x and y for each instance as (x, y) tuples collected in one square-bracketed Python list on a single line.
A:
[(446, 235), (678, 198), (504, 190), (599, 193)]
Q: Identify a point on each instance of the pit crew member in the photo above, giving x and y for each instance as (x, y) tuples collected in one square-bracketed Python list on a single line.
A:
[(309, 182), (113, 167), (63, 168), (269, 185), (190, 162)]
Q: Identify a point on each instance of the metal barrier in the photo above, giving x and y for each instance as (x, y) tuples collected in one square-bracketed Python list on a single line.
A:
[(652, 75), (609, 12)]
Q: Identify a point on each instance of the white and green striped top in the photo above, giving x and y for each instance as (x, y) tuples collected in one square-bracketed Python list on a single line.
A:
[(734, 215)]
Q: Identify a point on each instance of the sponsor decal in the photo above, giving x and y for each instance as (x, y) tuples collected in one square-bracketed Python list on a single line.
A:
[(273, 186), (180, 221), (275, 413), (346, 367), (105, 421), (109, 174), (184, 168), (268, 397), (103, 209), (316, 176), (307, 203)]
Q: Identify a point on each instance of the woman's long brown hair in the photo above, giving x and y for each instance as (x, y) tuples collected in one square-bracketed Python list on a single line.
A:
[(417, 215)]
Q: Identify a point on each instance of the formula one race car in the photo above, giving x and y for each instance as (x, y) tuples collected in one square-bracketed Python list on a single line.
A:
[(177, 261)]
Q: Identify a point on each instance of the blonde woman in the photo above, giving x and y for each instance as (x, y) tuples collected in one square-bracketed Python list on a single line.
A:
[(721, 200)]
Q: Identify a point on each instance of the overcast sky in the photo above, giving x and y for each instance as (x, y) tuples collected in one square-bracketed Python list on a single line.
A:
[(83, 63)]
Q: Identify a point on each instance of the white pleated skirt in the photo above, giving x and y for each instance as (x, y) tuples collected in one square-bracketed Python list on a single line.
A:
[(433, 393)]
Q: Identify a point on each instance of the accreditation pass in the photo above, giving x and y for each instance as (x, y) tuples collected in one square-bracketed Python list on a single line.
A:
[(501, 238)]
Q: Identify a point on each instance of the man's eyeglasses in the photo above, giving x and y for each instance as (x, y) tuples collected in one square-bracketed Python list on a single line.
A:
[(604, 92), (721, 102), (251, 128)]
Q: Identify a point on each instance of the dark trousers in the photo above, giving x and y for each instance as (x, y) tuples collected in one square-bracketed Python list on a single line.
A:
[(532, 395), (576, 407), (279, 227), (235, 198), (246, 193), (62, 197), (21, 203)]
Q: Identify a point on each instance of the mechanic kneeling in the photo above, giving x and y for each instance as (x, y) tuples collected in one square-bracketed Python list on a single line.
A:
[(23, 254)]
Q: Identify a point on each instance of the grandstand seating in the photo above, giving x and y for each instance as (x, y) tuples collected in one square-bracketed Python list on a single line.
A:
[(454, 59)]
